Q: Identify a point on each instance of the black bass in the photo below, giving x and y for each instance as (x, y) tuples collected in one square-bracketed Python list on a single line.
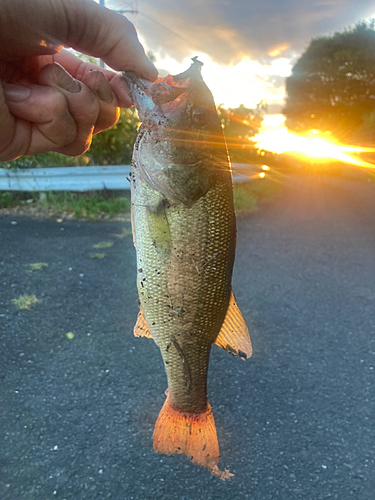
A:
[(184, 231)]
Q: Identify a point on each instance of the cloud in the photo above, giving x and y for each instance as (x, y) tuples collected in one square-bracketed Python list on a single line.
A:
[(228, 30), (276, 51), (248, 46)]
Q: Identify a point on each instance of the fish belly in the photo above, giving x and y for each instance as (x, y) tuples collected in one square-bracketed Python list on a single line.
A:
[(185, 258)]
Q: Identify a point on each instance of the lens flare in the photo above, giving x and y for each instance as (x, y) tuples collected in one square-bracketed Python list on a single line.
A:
[(280, 140)]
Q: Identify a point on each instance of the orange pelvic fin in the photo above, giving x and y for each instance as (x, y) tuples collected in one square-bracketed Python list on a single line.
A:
[(234, 334), (193, 434), (141, 328)]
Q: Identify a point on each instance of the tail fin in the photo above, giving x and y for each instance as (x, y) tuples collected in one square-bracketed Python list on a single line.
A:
[(177, 431)]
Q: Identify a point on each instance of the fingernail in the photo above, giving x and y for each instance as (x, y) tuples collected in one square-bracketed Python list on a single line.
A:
[(16, 93), (103, 88), (64, 80)]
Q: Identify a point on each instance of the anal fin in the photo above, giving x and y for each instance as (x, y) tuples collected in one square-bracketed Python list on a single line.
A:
[(234, 334), (141, 328)]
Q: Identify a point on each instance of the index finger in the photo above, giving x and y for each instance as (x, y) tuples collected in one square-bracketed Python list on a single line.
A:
[(77, 67)]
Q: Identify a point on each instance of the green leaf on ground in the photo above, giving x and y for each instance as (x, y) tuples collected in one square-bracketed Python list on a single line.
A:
[(37, 265), (97, 255), (125, 233), (25, 302), (104, 244)]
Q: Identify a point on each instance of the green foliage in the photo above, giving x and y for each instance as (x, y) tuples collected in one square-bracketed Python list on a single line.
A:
[(37, 266), (6, 200), (84, 207), (25, 302), (244, 198), (151, 56), (239, 125), (104, 244), (366, 130), (248, 195), (86, 58), (124, 234), (97, 255), (332, 84), (115, 145)]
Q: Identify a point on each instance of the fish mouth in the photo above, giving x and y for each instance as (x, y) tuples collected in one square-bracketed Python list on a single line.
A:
[(167, 96), (168, 89)]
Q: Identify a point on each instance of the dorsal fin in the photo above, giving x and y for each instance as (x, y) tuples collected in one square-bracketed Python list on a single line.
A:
[(141, 328), (234, 334)]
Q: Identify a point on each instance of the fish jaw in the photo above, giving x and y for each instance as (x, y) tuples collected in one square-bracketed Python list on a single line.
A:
[(180, 148), (182, 102), (139, 93)]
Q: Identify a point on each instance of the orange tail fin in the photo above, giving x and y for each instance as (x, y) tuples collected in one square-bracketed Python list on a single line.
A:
[(177, 431)]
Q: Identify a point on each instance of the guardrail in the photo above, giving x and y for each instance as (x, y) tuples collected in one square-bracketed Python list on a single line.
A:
[(87, 178)]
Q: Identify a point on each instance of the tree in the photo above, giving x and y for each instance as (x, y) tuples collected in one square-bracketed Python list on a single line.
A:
[(332, 85), (240, 124)]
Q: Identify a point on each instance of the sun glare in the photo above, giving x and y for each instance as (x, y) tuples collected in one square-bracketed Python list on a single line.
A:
[(248, 82), (275, 137)]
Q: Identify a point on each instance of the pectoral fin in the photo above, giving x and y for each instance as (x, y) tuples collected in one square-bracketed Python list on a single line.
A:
[(234, 334), (141, 328)]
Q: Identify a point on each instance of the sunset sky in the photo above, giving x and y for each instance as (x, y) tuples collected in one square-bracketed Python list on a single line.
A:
[(248, 46)]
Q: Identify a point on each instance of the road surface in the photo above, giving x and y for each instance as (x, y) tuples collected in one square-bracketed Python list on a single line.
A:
[(294, 422)]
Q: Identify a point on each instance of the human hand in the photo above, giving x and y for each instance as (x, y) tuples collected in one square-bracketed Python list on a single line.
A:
[(50, 100)]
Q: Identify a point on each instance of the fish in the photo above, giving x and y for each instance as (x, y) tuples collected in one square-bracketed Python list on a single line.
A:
[(184, 231)]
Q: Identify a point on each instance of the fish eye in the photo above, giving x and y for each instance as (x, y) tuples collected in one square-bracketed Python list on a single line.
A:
[(201, 116)]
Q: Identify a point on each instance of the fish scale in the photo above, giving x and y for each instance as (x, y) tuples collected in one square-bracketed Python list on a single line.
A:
[(182, 292), (184, 231)]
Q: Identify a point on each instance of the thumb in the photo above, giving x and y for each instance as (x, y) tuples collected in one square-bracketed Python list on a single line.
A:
[(43, 26), (100, 32)]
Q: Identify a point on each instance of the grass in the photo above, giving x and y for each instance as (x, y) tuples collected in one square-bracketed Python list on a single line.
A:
[(94, 207), (81, 206), (37, 266), (125, 233), (25, 302), (104, 244), (97, 255), (85, 207), (248, 195), (6, 200)]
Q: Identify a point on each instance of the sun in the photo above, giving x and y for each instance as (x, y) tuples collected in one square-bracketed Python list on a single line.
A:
[(275, 137)]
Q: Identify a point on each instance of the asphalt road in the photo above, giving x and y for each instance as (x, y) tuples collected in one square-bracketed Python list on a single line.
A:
[(294, 422)]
